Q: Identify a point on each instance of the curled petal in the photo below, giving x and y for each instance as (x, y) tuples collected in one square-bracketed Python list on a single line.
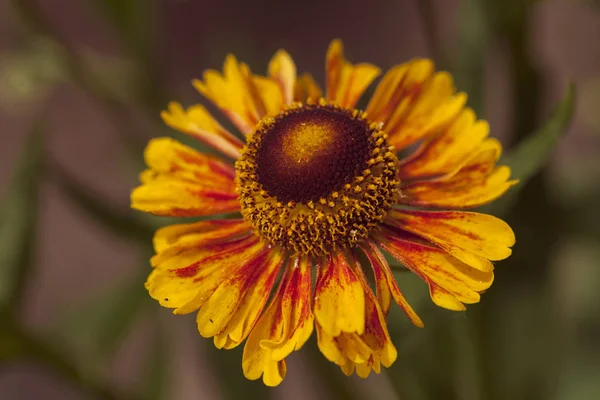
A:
[(413, 102), (306, 89), (445, 152), (346, 82), (386, 285), (184, 182), (366, 351), (243, 97), (473, 238), (339, 298), (451, 282), (284, 327), (476, 182), (197, 122)]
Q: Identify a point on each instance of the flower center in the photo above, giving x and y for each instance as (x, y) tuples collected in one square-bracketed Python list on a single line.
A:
[(316, 177)]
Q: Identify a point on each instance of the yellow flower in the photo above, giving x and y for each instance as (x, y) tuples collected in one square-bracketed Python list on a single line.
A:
[(317, 184)]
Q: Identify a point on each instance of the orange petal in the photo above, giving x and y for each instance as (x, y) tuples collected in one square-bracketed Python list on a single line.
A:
[(184, 279), (413, 102), (445, 152), (284, 327), (386, 284), (238, 94), (346, 82), (197, 122), (339, 298), (471, 237), (451, 282), (306, 89), (283, 70), (366, 351), (478, 181)]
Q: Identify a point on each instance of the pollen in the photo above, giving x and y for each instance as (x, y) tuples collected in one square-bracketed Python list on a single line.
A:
[(316, 178)]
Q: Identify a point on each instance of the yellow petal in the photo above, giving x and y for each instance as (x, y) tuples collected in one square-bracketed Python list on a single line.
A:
[(182, 199), (346, 82), (474, 183), (451, 282), (471, 237), (243, 97), (339, 298), (361, 352), (197, 122), (306, 89), (399, 88), (283, 70), (413, 102), (445, 152), (169, 157)]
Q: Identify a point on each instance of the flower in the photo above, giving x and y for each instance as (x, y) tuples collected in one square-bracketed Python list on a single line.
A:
[(317, 184)]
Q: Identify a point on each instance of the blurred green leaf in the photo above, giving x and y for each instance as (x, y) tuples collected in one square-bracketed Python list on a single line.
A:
[(18, 218), (531, 154)]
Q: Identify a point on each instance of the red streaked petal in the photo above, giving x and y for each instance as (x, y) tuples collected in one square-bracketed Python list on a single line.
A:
[(233, 309), (346, 82), (478, 181), (184, 182), (473, 238), (284, 327), (387, 285), (339, 297), (180, 236), (413, 102), (296, 312), (366, 351), (182, 199), (451, 282), (183, 280)]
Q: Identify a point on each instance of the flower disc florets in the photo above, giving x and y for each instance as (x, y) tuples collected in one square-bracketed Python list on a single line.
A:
[(316, 177)]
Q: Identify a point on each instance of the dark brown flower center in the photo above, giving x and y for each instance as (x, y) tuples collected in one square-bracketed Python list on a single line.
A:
[(309, 152), (316, 178)]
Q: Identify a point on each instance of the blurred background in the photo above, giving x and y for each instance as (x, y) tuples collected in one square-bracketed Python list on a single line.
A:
[(81, 87)]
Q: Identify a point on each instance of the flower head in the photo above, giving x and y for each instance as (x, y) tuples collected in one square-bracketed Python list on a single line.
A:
[(316, 185)]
